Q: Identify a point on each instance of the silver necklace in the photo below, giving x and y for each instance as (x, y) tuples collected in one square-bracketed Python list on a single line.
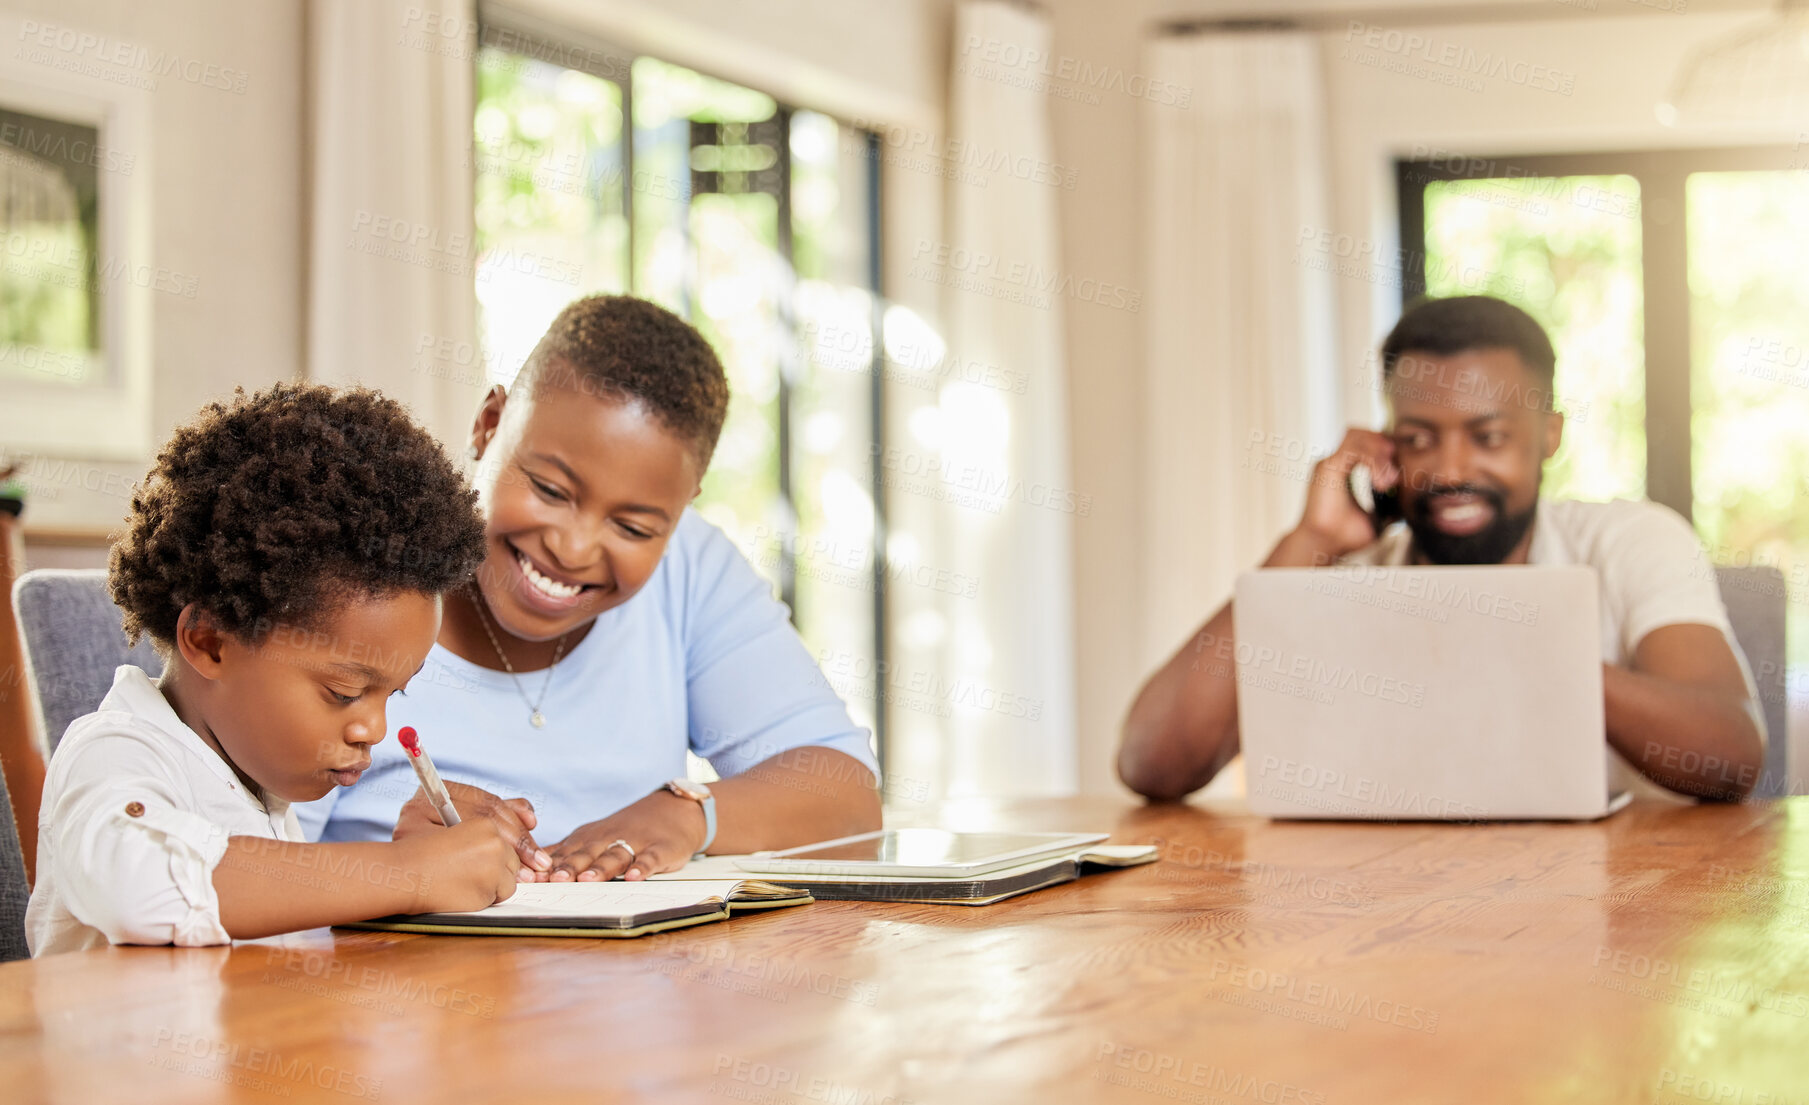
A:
[(535, 717)]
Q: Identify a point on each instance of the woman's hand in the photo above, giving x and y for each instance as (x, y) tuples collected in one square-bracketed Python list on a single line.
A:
[(664, 830), (513, 818)]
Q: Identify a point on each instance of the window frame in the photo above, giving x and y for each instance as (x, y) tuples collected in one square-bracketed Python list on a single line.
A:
[(1664, 269), (518, 32)]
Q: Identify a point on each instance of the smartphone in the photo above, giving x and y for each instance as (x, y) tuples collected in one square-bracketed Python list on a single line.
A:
[(1383, 507)]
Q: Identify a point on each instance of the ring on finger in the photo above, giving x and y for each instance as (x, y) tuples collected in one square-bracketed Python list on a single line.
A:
[(622, 844)]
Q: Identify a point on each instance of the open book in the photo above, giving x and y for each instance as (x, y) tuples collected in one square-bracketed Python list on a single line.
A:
[(994, 886), (601, 908)]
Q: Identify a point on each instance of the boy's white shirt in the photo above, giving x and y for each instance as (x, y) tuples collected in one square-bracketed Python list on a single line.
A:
[(137, 812), (1651, 570)]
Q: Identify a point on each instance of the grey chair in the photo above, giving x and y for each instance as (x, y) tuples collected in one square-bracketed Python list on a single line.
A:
[(15, 892), (1756, 599), (73, 640)]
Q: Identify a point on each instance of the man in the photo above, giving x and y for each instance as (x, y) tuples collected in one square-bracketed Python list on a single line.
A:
[(1469, 384)]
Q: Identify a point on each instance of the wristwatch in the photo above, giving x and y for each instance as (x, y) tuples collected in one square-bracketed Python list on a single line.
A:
[(700, 794)]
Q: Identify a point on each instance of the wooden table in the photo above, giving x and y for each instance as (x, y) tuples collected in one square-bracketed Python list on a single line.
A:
[(1662, 955)]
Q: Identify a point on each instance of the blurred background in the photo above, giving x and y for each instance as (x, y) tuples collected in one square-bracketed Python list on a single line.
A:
[(1036, 315)]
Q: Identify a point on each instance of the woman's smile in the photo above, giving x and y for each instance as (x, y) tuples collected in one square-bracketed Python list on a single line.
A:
[(545, 588)]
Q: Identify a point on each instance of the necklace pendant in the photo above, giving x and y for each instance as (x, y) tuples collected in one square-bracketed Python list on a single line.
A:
[(537, 720)]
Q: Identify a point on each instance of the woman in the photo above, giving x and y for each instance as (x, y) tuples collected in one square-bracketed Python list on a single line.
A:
[(610, 628)]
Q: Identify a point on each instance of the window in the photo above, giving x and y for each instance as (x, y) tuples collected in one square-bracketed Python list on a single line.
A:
[(1576, 268), (758, 222), (1673, 286)]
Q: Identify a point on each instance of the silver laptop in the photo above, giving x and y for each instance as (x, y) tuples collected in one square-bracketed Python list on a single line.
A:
[(1436, 693)]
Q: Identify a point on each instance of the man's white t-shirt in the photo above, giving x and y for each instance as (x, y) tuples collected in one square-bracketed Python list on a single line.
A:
[(1651, 572)]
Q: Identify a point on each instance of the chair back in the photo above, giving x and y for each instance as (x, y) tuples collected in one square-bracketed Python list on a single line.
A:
[(1756, 599), (74, 638), (15, 892)]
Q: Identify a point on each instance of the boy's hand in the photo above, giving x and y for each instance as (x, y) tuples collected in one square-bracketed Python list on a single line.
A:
[(468, 866), (513, 819)]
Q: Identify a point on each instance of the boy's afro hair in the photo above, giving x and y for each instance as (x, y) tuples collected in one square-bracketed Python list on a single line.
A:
[(271, 508)]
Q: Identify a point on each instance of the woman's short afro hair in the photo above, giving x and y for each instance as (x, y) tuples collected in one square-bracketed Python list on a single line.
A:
[(270, 509), (635, 351)]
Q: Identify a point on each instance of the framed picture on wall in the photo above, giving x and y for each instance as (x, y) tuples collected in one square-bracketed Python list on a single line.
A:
[(77, 277)]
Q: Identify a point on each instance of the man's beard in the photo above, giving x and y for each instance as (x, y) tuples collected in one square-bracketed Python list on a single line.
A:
[(1488, 545)]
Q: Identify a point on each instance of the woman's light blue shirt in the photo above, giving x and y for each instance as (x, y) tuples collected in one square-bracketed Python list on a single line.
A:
[(702, 658)]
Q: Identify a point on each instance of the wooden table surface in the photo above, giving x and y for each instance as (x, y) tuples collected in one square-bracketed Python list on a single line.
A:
[(1660, 956)]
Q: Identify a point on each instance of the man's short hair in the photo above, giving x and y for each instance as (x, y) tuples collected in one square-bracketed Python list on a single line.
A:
[(1444, 327)]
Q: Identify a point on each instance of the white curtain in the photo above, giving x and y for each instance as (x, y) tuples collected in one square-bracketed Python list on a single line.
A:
[(1241, 363), (1001, 717), (391, 255)]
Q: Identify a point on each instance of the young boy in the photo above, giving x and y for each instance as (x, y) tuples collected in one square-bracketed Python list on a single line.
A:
[(286, 555)]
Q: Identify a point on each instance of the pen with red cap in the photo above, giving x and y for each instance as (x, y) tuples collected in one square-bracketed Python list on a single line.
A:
[(430, 778)]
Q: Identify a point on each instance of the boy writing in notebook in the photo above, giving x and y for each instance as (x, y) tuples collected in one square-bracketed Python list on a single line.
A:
[(286, 555)]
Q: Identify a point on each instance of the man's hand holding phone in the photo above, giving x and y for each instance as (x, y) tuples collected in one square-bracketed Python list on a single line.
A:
[(1334, 524)]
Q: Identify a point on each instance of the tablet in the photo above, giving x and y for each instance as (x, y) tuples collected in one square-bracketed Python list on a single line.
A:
[(922, 852)]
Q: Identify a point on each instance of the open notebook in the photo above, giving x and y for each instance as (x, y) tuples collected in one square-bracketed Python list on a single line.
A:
[(595, 909), (994, 886)]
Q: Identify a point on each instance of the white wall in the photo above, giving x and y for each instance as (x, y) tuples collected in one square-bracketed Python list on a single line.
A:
[(226, 204)]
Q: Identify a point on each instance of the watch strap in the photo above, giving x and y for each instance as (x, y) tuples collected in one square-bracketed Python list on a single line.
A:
[(709, 808), (702, 796)]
